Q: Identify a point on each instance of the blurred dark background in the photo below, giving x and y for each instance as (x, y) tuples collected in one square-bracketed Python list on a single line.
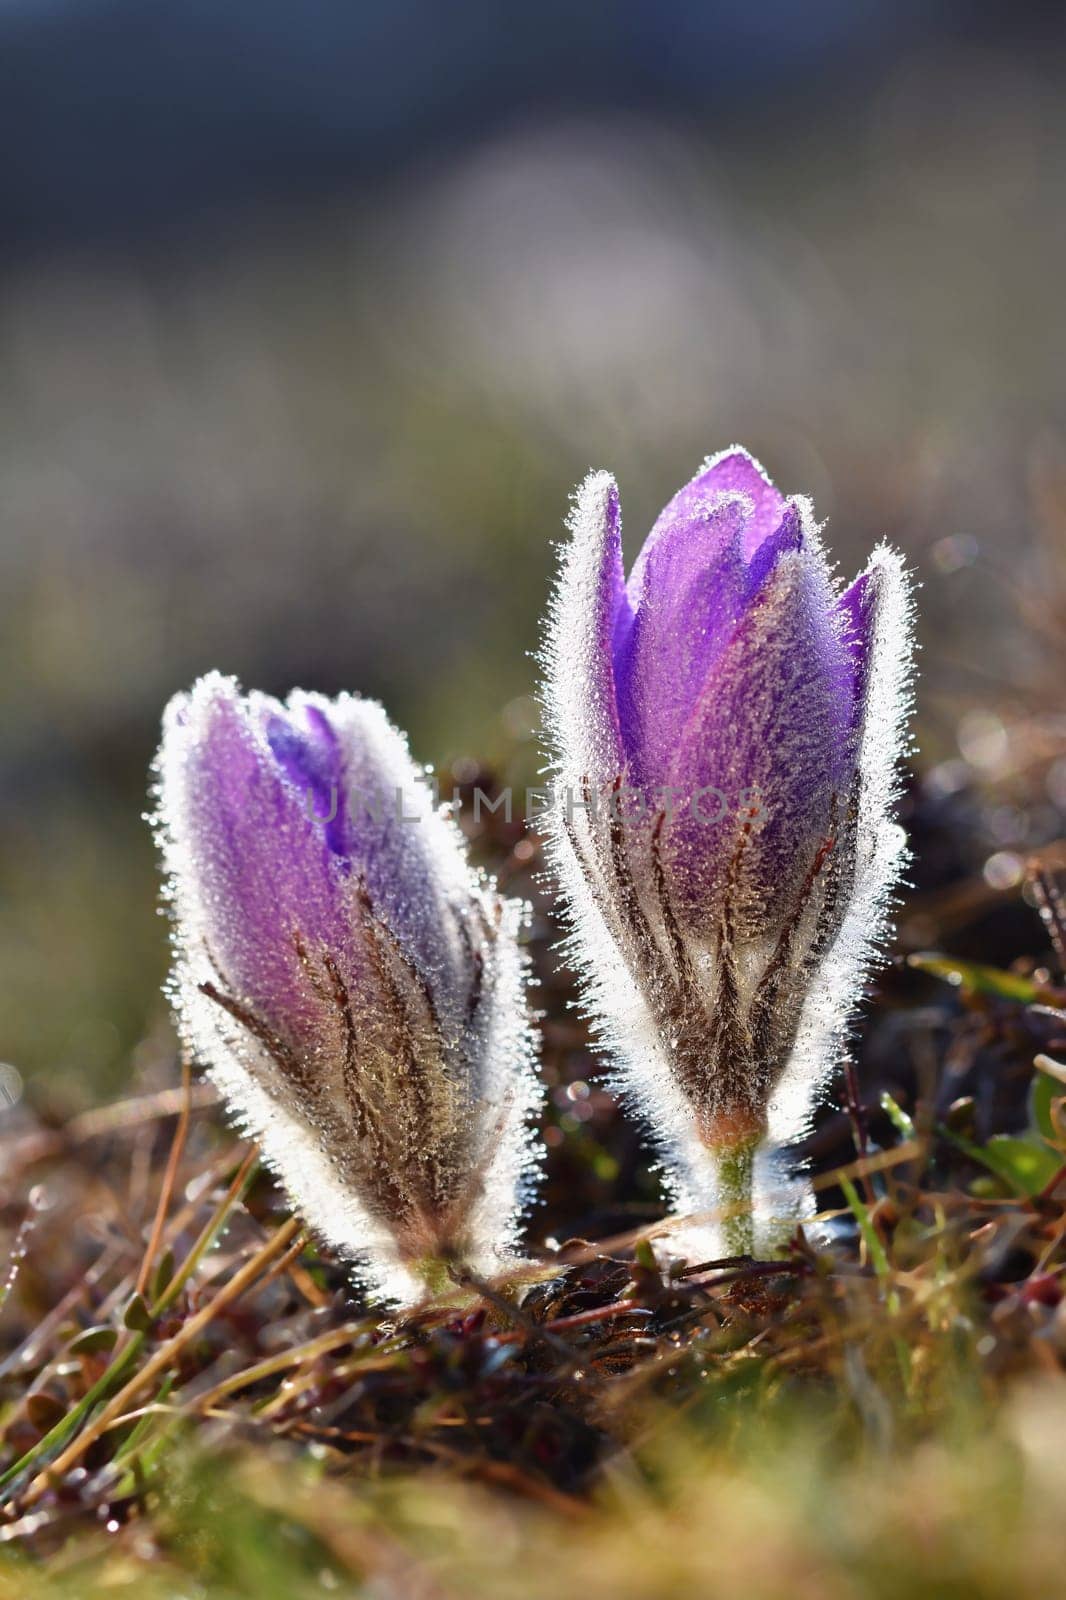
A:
[(311, 315)]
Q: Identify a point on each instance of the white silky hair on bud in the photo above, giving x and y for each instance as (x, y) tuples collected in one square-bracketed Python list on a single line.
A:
[(584, 738), (581, 720), (289, 1080)]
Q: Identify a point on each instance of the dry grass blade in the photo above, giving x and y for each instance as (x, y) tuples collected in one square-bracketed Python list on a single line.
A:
[(177, 1149), (161, 1361)]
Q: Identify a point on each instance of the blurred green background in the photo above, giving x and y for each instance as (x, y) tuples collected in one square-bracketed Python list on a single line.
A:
[(310, 318)]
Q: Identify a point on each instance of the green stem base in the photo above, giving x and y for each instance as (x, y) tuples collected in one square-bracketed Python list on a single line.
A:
[(735, 1171)]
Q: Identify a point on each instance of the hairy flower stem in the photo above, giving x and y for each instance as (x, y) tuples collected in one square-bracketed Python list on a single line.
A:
[(735, 1170), (438, 1274)]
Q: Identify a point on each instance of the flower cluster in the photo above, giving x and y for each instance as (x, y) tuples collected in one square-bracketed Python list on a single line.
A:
[(358, 992)]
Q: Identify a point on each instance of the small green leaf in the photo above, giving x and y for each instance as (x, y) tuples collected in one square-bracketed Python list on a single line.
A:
[(903, 1124), (1027, 1164), (979, 979), (874, 1248), (93, 1340), (986, 1187), (645, 1256), (164, 1272), (136, 1315), (1043, 1094)]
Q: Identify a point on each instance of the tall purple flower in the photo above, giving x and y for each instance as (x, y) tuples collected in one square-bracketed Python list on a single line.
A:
[(356, 991), (726, 728)]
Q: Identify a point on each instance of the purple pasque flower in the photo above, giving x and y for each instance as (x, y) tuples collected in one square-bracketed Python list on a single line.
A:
[(357, 992), (725, 728)]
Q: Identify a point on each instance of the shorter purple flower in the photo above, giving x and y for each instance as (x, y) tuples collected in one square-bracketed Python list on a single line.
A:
[(356, 991), (726, 728)]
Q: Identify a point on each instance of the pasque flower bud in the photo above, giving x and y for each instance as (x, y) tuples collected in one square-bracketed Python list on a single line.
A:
[(356, 991), (726, 728)]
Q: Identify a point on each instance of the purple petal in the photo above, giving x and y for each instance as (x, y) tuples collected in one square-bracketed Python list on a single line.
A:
[(248, 787), (856, 612), (306, 747), (874, 626), (687, 591), (788, 535), (253, 863), (733, 471), (772, 726), (408, 856), (709, 553)]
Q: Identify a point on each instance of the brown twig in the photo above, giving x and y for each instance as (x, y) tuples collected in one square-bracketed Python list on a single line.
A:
[(177, 1149)]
